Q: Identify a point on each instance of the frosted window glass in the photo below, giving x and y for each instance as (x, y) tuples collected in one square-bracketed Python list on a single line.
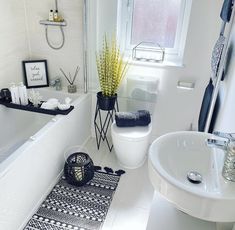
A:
[(155, 21)]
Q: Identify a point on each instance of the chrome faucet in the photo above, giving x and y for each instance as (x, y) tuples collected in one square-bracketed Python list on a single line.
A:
[(56, 83), (228, 146), (213, 143)]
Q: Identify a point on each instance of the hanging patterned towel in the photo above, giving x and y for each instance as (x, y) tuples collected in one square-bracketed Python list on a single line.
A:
[(216, 56)]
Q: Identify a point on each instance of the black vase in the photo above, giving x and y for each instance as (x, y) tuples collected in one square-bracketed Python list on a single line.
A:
[(106, 102)]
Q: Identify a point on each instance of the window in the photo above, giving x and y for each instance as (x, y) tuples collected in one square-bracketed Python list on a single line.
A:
[(162, 22)]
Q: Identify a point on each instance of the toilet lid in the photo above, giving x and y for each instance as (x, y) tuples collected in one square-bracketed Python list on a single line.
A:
[(136, 133)]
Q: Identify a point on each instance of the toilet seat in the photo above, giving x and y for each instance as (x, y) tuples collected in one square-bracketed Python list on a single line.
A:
[(136, 133)]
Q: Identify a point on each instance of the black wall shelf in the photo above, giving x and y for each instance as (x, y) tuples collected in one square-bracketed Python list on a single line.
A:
[(31, 108)]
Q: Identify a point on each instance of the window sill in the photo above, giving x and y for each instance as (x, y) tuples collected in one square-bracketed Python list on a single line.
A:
[(157, 64)]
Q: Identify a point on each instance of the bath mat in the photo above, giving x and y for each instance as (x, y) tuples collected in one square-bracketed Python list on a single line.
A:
[(68, 207)]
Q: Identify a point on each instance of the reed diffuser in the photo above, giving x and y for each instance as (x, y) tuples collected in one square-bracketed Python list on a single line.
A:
[(71, 87)]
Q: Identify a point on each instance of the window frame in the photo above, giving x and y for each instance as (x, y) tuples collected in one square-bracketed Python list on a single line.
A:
[(124, 30)]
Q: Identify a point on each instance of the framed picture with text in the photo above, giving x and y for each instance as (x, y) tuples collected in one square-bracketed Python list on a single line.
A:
[(35, 73)]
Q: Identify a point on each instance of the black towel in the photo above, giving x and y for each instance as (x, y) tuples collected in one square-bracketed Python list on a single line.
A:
[(143, 118), (205, 106), (226, 10), (125, 119), (131, 119)]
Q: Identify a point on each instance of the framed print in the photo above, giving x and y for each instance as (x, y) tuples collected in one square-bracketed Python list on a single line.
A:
[(35, 73)]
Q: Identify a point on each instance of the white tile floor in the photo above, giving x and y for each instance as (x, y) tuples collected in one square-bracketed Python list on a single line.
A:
[(164, 215), (132, 200)]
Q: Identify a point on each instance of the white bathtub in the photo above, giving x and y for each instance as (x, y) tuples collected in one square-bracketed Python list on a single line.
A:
[(31, 154)]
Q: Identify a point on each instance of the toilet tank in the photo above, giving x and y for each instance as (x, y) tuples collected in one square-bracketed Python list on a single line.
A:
[(141, 92)]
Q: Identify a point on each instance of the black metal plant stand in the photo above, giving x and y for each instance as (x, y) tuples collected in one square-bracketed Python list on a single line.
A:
[(102, 125)]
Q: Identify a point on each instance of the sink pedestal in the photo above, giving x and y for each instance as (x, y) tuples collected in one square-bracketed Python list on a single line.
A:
[(224, 226), (163, 215)]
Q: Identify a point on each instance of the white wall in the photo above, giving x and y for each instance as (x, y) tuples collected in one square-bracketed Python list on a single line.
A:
[(102, 15), (176, 109), (13, 41)]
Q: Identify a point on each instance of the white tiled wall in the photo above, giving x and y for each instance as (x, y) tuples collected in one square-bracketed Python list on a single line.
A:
[(13, 41), (71, 55), (22, 38)]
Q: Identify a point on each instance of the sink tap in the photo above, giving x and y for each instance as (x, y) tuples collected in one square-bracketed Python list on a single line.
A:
[(228, 146), (229, 136), (56, 83), (213, 143)]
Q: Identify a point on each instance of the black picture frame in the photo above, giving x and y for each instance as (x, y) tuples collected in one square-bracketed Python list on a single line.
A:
[(35, 73)]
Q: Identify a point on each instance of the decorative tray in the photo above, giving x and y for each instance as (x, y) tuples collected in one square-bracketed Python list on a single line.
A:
[(31, 108)]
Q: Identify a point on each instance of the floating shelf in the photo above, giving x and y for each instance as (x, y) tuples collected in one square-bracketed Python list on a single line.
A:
[(31, 108), (50, 23)]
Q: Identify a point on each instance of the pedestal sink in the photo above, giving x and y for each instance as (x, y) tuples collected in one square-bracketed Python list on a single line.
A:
[(173, 156)]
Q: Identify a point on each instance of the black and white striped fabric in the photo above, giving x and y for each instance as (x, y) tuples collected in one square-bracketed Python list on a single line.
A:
[(68, 207), (216, 56)]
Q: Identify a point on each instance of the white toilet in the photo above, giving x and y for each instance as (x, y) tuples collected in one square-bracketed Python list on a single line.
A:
[(131, 144)]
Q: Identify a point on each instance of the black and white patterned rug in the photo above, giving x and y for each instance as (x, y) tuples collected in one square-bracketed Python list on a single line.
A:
[(68, 207)]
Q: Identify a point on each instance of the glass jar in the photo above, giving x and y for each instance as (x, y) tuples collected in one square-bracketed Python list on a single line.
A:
[(229, 163)]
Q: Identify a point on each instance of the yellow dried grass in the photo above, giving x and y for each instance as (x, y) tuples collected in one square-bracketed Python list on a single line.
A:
[(111, 67)]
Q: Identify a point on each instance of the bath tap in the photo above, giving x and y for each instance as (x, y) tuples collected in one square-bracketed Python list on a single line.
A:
[(56, 83), (228, 146)]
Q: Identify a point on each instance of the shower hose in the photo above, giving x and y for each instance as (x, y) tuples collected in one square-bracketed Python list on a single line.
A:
[(48, 41)]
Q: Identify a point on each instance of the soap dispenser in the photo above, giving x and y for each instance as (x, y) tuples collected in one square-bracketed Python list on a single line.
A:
[(51, 16), (23, 94)]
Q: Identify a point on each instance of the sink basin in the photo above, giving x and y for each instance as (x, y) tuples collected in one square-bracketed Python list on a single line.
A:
[(172, 156)]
